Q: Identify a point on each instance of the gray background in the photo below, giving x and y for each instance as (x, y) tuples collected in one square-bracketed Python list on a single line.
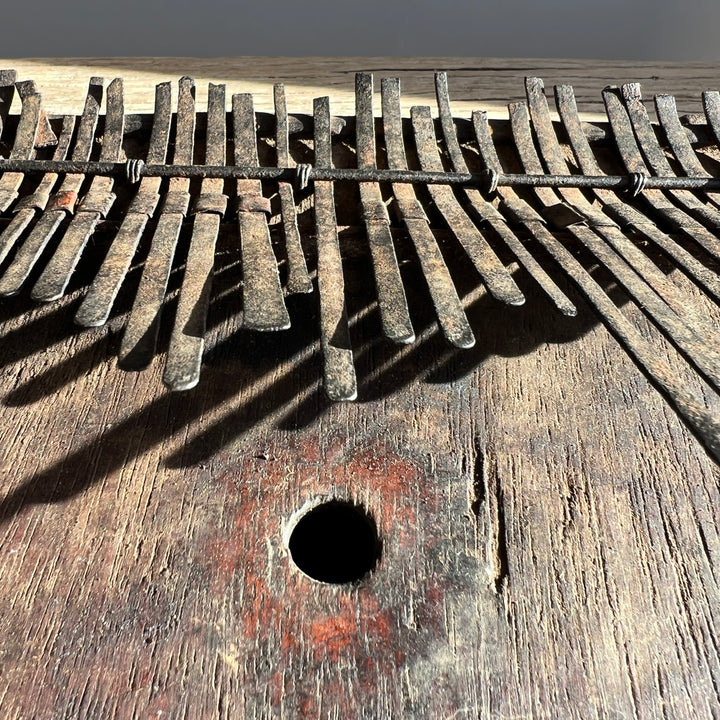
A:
[(609, 29)]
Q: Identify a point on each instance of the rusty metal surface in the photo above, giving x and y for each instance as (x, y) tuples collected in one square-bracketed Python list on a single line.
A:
[(617, 207), (27, 207), (690, 407), (698, 352), (182, 368), (62, 203), (495, 276), (394, 312), (263, 304), (95, 205), (613, 236), (634, 162), (140, 337), (487, 212), (298, 278), (450, 313), (97, 304), (24, 144), (338, 368)]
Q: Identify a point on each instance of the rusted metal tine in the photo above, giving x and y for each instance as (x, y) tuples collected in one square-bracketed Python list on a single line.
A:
[(657, 160), (24, 144), (711, 105), (451, 316), (26, 208), (554, 159), (94, 206), (679, 142), (702, 356), (394, 312), (633, 160), (616, 207), (7, 91), (97, 305), (182, 370), (487, 211), (61, 203), (298, 278), (495, 275), (338, 370), (140, 337), (667, 113), (263, 303), (689, 406)]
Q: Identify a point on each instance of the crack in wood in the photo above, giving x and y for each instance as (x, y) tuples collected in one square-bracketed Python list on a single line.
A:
[(488, 508)]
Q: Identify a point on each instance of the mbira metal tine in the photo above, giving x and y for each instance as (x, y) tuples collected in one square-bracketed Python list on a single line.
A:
[(62, 203), (711, 106), (495, 275), (667, 113), (394, 313), (451, 316), (518, 208), (298, 278), (263, 303), (27, 207), (598, 221), (95, 205), (97, 305), (487, 211), (705, 425), (182, 370), (24, 144), (338, 369), (633, 160), (703, 357), (619, 210), (7, 91), (141, 331), (656, 157)]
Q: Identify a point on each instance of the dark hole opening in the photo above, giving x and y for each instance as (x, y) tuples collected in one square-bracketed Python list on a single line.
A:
[(336, 542)]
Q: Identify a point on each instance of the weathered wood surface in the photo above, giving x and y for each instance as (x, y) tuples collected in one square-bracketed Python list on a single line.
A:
[(549, 528), (489, 83)]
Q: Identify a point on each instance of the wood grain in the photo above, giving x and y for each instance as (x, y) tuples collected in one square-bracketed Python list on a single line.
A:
[(475, 83), (549, 527)]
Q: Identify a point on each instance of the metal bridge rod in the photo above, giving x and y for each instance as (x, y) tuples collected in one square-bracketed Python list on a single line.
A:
[(135, 169)]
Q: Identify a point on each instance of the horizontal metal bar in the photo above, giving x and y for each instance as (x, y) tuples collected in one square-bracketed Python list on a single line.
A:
[(134, 170)]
